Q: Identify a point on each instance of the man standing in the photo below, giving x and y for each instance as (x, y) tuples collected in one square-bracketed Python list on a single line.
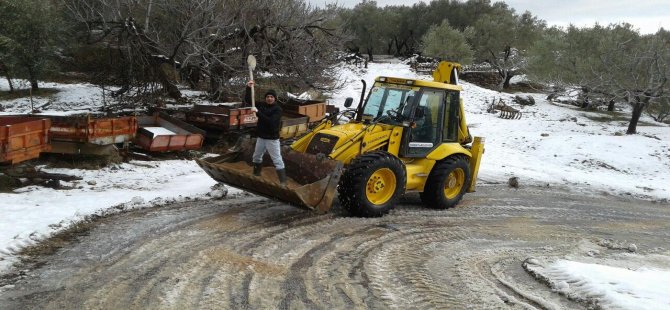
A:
[(267, 129)]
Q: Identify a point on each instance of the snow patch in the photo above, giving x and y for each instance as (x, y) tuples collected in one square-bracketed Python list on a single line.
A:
[(619, 281), (34, 213)]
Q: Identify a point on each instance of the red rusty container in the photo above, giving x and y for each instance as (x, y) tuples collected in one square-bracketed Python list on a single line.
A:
[(229, 116), (246, 117), (162, 133), (23, 138), (100, 131), (84, 134)]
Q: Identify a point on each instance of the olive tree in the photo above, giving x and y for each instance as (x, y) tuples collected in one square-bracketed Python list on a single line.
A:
[(28, 37), (6, 46), (659, 109), (614, 61), (365, 22), (446, 43), (502, 39)]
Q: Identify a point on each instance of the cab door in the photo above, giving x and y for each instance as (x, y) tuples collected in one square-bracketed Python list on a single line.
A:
[(427, 121)]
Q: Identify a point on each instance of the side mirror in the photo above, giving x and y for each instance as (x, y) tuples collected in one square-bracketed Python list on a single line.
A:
[(348, 102)]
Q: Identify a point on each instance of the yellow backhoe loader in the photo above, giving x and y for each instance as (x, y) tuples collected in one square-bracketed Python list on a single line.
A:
[(409, 135)]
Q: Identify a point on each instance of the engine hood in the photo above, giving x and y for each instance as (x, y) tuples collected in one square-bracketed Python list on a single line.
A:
[(326, 140)]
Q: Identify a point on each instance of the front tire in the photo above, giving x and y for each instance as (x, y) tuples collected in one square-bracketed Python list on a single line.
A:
[(447, 183), (372, 184)]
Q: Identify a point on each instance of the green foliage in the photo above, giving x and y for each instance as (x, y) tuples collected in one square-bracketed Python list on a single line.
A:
[(614, 62), (659, 109), (564, 56), (411, 23), (502, 38), (547, 60), (491, 35), (494, 32), (28, 34), (399, 29), (461, 15), (364, 22), (447, 43), (501, 35), (612, 59)]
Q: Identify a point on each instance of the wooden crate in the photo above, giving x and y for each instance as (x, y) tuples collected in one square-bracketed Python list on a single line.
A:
[(23, 138), (293, 125), (316, 111)]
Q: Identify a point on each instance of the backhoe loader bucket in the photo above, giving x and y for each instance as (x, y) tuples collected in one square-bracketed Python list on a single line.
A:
[(312, 184)]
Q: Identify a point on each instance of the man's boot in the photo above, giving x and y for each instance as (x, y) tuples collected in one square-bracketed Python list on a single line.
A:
[(281, 174), (257, 169)]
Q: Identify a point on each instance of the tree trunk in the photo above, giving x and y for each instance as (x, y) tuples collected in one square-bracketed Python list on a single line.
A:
[(216, 82), (11, 85), (8, 76), (585, 103), (192, 74), (146, 17), (125, 71), (610, 106), (585, 95), (33, 79), (370, 55), (508, 77), (638, 107), (399, 46), (168, 78)]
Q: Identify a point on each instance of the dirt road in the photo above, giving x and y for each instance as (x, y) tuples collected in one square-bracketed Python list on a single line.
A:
[(252, 253)]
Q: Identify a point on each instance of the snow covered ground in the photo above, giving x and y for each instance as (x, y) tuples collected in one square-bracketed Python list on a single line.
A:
[(613, 286), (552, 144)]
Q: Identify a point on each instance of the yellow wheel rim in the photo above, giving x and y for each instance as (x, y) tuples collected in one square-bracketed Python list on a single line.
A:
[(454, 183), (381, 186)]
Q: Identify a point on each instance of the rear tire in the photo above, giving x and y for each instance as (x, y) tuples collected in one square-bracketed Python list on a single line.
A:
[(447, 183), (372, 184)]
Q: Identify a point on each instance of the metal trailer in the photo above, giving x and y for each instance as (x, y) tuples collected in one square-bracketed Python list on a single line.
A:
[(86, 134), (162, 133), (23, 138)]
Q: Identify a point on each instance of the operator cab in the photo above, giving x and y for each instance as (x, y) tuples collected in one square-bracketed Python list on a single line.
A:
[(428, 114)]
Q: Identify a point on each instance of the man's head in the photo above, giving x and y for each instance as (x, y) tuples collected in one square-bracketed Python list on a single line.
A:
[(270, 96)]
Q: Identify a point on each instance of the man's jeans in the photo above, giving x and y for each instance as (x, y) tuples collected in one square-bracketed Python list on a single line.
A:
[(273, 148)]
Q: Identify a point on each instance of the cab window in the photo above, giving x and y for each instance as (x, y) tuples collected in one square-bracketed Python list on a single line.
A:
[(451, 117), (427, 122), (427, 126), (383, 99)]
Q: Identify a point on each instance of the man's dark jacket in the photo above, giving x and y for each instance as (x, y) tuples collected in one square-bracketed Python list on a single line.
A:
[(269, 117)]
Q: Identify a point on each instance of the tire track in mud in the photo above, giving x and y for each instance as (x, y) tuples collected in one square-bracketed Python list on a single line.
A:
[(247, 252)]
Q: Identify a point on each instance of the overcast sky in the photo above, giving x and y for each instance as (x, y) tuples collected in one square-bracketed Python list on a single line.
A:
[(647, 15)]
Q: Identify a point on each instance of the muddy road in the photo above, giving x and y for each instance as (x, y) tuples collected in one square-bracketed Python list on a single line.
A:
[(248, 252)]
